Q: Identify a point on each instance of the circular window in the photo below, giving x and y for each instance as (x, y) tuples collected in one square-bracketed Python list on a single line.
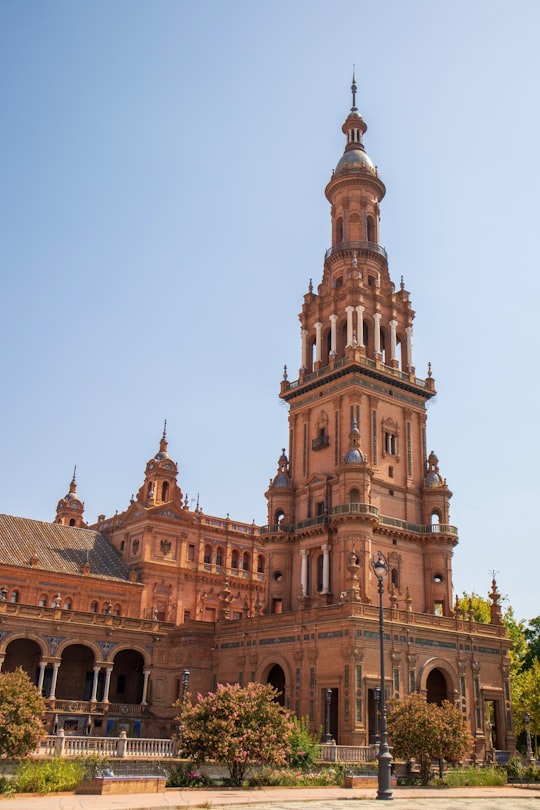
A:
[(278, 576), (438, 578)]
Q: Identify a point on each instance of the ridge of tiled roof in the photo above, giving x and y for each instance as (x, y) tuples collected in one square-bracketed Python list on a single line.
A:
[(58, 548)]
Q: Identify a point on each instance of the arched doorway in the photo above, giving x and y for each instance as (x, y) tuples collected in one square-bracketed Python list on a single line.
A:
[(127, 677), (436, 687), (276, 678)]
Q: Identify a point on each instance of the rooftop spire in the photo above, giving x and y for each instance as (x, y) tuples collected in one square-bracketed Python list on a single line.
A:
[(354, 108), (73, 485), (164, 430)]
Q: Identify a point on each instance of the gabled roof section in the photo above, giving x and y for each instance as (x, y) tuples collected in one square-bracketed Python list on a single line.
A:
[(62, 549)]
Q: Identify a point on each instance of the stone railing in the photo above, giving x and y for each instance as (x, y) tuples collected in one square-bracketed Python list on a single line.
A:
[(348, 753), (122, 747)]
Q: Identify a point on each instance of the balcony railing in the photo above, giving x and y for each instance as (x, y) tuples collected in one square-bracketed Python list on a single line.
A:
[(362, 509), (356, 245)]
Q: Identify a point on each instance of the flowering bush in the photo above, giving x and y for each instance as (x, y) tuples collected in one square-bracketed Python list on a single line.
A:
[(187, 776), (237, 726), (424, 731), (21, 707), (271, 777)]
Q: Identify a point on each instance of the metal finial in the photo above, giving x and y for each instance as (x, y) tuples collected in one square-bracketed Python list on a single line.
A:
[(164, 429), (74, 479), (353, 91)]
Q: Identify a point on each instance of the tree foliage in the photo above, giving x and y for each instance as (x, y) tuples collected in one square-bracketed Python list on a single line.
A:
[(425, 731), (480, 606), (21, 708), (238, 726)]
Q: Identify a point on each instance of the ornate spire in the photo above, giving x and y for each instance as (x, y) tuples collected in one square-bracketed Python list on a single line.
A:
[(354, 108)]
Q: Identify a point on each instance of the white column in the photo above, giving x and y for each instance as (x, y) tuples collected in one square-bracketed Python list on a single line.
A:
[(333, 335), (318, 342), (41, 677), (408, 332), (349, 311), (326, 568), (393, 339), (304, 572), (377, 333), (107, 686), (304, 334), (146, 674), (360, 325), (93, 697), (1, 662), (56, 667)]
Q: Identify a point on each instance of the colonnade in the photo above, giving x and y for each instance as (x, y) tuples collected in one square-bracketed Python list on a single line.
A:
[(355, 336), (97, 670)]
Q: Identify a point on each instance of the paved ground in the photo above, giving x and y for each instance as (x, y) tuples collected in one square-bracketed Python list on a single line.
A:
[(506, 798)]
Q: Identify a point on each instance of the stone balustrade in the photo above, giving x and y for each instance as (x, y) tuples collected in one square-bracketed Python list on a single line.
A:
[(122, 747)]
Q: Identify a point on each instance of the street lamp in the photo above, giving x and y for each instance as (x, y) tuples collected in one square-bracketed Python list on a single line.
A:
[(380, 569), (376, 698), (530, 755), (327, 736)]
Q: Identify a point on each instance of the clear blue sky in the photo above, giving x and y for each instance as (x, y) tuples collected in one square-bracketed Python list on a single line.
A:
[(162, 211)]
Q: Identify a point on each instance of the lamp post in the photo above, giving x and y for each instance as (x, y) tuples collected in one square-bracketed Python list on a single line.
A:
[(328, 697), (527, 718), (384, 791), (376, 698)]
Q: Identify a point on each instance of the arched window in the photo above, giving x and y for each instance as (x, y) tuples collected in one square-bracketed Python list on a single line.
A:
[(354, 495), (279, 517), (435, 522), (207, 555), (117, 610), (219, 556), (14, 596), (94, 607), (245, 561), (68, 604), (339, 229), (234, 558), (394, 578), (260, 564), (72, 521), (42, 601), (164, 491)]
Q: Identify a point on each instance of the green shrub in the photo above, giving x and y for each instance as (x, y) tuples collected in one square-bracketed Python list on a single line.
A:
[(514, 768), (7, 786), (304, 746), (464, 777), (49, 776)]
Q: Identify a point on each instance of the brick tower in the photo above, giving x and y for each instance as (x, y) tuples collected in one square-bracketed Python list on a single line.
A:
[(358, 478)]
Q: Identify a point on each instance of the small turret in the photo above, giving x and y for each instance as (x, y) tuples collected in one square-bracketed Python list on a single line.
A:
[(70, 508), (160, 481)]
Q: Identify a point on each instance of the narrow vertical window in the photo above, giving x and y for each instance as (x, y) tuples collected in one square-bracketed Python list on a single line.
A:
[(409, 450), (305, 451), (336, 443), (374, 418)]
